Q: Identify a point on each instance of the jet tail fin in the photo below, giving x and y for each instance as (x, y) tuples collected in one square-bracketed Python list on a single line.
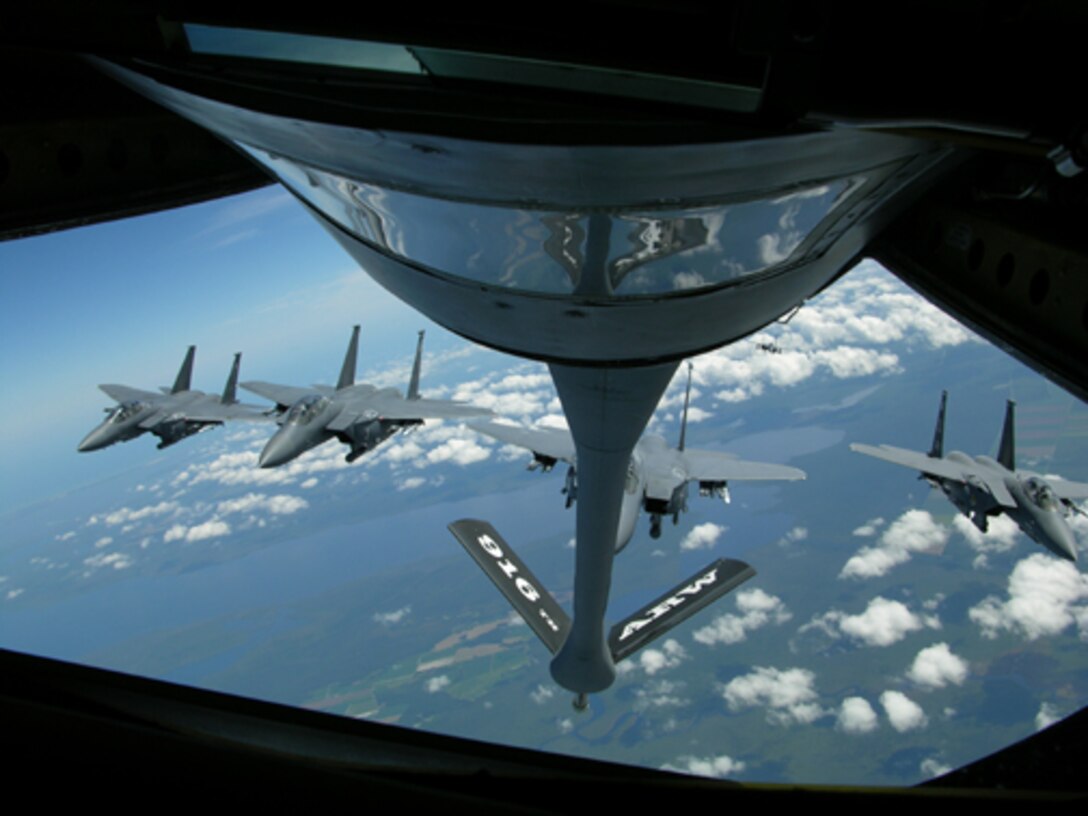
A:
[(230, 391), (937, 450), (1006, 451), (413, 382), (514, 580), (347, 371), (684, 418), (676, 606), (185, 373)]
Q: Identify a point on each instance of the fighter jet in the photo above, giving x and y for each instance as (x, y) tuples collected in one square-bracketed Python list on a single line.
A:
[(361, 416), (657, 475), (172, 415), (981, 487)]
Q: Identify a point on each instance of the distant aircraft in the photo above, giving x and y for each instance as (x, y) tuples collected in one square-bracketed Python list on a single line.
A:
[(657, 475), (172, 415), (981, 487), (361, 416)]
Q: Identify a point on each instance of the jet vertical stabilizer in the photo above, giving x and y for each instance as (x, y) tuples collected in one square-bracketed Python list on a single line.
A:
[(514, 580), (347, 372), (1006, 451), (413, 382), (230, 390), (676, 606), (937, 451), (185, 373)]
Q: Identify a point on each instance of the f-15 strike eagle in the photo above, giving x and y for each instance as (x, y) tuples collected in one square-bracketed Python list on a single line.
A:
[(981, 487), (361, 416), (657, 475), (171, 415), (657, 482)]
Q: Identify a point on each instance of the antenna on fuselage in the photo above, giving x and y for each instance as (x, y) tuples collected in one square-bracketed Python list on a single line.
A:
[(937, 451), (413, 382), (185, 373), (347, 372), (684, 418), (1006, 451)]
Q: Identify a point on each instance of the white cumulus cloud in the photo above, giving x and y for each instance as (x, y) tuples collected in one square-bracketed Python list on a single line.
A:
[(932, 767), (116, 560), (856, 716), (913, 532), (1001, 535), (668, 656), (788, 695), (903, 713), (198, 532), (396, 616), (126, 515), (437, 683), (1045, 596), (757, 609), (541, 694), (883, 623), (659, 693), (280, 504), (1047, 716), (869, 528), (702, 536), (209, 529), (936, 667), (715, 767)]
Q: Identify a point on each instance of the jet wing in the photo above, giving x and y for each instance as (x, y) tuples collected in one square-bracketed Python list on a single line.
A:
[(215, 411), (283, 395), (211, 414), (392, 408), (941, 468), (712, 466), (122, 393), (153, 420), (553, 443), (1071, 491)]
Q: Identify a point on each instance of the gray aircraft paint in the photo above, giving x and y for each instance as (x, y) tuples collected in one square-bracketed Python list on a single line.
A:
[(651, 475), (657, 474), (524, 591), (980, 486), (172, 414), (584, 201), (359, 415)]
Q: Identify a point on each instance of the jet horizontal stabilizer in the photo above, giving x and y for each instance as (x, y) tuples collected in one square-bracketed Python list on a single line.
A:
[(676, 606), (520, 587)]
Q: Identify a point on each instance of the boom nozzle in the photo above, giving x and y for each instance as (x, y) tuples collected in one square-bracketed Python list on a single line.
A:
[(580, 702)]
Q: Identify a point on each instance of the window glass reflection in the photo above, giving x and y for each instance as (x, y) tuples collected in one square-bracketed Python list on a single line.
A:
[(625, 254), (304, 411), (126, 411)]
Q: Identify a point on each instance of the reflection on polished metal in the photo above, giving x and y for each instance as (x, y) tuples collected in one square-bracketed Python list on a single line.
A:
[(579, 253), (596, 253)]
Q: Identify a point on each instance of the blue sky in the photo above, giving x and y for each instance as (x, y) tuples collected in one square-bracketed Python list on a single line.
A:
[(119, 302)]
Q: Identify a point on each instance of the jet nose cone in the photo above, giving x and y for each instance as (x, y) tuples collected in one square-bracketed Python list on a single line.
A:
[(1059, 539), (276, 452), (1068, 545), (95, 440)]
